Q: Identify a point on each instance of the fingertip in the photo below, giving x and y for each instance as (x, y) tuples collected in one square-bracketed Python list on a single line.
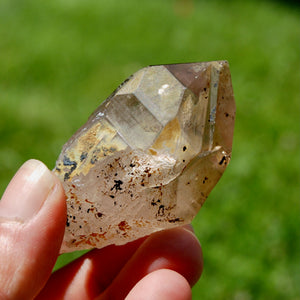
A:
[(178, 249), (161, 284), (26, 192)]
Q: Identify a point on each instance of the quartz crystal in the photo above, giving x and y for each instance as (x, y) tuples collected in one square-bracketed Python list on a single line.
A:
[(148, 157)]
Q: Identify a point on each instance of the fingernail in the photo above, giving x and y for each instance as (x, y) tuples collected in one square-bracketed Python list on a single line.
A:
[(27, 192), (189, 227)]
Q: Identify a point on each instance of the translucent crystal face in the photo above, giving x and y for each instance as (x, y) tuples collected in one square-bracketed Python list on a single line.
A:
[(148, 157)]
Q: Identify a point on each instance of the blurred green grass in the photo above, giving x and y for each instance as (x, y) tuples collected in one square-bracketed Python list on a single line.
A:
[(60, 59)]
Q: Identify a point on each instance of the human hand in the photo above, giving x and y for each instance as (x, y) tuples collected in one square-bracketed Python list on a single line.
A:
[(32, 220)]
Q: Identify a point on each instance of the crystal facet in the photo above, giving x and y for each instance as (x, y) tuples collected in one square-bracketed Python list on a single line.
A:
[(148, 157)]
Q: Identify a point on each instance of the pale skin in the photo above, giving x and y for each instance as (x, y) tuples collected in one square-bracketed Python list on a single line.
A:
[(164, 265)]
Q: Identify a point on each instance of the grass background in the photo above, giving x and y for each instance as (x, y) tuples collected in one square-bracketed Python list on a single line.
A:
[(59, 59)]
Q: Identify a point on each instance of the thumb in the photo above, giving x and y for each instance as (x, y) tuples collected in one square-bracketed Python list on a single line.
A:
[(32, 221)]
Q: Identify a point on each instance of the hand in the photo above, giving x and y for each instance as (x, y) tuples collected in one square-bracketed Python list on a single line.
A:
[(32, 220)]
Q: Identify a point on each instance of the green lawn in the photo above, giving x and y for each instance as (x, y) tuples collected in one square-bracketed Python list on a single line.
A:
[(59, 59)]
